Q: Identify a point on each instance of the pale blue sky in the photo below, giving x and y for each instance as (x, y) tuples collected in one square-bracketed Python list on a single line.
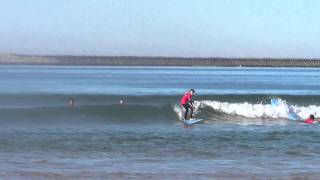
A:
[(219, 28)]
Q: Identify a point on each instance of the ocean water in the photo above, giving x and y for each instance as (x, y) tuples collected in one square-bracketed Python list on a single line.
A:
[(242, 137)]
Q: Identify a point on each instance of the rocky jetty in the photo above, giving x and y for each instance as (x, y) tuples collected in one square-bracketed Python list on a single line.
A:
[(18, 59)]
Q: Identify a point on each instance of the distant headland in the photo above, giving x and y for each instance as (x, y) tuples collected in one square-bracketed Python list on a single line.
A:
[(70, 60)]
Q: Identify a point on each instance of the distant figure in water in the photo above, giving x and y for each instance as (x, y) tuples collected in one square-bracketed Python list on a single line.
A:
[(121, 102), (187, 103), (310, 120), (71, 102)]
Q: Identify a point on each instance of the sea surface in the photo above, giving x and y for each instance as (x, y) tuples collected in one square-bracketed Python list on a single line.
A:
[(42, 136)]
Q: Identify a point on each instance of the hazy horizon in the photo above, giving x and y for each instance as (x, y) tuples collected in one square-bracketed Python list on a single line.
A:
[(176, 28)]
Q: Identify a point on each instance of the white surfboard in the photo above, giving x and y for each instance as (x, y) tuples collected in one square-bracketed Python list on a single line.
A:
[(192, 121), (294, 116)]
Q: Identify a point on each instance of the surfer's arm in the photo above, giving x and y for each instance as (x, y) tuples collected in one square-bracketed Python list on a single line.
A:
[(190, 103)]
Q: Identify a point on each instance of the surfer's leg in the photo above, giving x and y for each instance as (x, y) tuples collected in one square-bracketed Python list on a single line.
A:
[(191, 112), (186, 111)]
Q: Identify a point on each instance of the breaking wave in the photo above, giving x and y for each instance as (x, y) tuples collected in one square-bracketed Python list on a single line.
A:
[(53, 108)]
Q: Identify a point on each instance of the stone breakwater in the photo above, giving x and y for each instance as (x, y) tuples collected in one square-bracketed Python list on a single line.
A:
[(16, 59)]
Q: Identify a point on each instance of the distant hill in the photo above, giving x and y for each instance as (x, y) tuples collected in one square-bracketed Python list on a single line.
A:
[(19, 59)]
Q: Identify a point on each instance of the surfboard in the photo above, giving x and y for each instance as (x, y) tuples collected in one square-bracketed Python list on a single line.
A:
[(192, 121), (275, 102), (294, 116), (316, 123)]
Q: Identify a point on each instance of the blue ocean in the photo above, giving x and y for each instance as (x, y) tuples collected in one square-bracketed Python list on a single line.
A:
[(124, 123)]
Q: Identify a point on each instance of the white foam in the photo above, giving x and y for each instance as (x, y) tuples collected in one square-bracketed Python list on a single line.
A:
[(305, 111), (261, 110), (178, 111)]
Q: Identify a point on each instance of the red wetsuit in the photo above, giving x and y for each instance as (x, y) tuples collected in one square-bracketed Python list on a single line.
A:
[(187, 106), (186, 98), (309, 121)]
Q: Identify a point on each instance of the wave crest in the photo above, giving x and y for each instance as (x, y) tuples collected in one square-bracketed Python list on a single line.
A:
[(250, 110)]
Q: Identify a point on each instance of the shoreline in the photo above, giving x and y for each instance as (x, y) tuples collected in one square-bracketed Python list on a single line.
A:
[(67, 60)]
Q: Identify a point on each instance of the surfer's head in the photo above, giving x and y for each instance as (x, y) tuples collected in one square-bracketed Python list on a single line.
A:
[(192, 91), (311, 116)]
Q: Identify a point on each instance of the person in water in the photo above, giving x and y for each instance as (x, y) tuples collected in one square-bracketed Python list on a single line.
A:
[(71, 102), (310, 120), (187, 103), (121, 102)]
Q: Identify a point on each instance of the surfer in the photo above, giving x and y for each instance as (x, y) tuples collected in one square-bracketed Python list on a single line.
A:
[(187, 103), (121, 102), (71, 102), (310, 120)]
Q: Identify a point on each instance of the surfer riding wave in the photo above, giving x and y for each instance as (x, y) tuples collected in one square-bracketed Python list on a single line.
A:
[(187, 103)]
